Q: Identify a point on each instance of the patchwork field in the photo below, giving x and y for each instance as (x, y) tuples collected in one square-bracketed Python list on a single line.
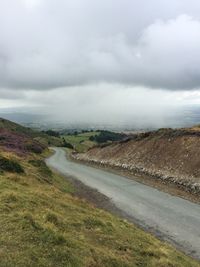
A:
[(81, 141)]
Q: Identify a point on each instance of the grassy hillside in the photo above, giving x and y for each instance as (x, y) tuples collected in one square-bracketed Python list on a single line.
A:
[(14, 136), (43, 224), (81, 142), (12, 126)]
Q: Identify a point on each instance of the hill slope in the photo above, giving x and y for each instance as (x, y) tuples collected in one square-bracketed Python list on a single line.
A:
[(43, 223), (166, 154), (14, 137)]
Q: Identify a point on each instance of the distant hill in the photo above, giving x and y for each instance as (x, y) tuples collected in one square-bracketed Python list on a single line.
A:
[(12, 126), (16, 137)]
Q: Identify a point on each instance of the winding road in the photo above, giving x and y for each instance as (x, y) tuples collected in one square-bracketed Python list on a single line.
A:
[(178, 220)]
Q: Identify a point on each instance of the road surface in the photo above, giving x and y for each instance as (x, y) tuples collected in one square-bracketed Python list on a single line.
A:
[(176, 219)]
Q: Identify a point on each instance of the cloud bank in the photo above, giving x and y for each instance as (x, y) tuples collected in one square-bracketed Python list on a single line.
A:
[(133, 62), (50, 44)]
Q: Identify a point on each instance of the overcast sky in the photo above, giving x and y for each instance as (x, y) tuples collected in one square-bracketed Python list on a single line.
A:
[(102, 60)]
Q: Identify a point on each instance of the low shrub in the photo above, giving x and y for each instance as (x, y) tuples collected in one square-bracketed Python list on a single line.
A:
[(52, 133), (10, 165), (105, 136), (35, 148), (66, 144)]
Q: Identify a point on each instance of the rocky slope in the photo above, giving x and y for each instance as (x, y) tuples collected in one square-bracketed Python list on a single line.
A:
[(166, 154)]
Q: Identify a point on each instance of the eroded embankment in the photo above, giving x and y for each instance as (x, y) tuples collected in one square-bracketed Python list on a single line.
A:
[(167, 155)]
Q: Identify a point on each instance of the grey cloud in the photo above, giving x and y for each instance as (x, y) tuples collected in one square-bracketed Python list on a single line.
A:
[(150, 43), (11, 94), (107, 104)]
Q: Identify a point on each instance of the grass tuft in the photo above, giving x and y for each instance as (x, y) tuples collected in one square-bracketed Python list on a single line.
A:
[(52, 218), (50, 237)]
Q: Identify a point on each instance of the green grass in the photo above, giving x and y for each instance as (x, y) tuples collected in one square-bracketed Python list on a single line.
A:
[(43, 225), (49, 140), (81, 141)]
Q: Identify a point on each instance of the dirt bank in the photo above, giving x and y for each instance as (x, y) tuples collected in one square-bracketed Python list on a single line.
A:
[(167, 155)]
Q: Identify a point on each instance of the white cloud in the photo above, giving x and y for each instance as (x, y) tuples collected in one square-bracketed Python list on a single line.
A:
[(107, 104), (74, 42), (31, 3), (100, 60)]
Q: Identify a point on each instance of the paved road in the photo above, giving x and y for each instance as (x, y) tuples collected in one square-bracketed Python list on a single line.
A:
[(176, 218)]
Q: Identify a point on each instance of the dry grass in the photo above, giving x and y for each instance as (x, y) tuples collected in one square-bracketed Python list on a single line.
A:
[(43, 225)]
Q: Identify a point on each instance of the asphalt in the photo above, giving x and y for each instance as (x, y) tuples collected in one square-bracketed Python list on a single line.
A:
[(176, 219)]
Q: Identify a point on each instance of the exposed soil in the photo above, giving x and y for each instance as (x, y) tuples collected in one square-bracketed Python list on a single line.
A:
[(165, 157)]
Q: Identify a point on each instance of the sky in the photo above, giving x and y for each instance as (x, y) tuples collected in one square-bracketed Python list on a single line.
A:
[(105, 61)]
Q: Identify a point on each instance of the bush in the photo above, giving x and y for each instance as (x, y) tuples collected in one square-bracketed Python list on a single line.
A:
[(105, 136), (52, 133), (10, 165), (92, 138), (66, 144), (35, 148)]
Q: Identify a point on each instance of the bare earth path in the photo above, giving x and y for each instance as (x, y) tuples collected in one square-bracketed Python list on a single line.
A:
[(176, 219)]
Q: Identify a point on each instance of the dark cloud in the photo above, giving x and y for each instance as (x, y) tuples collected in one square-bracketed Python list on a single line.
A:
[(46, 44)]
